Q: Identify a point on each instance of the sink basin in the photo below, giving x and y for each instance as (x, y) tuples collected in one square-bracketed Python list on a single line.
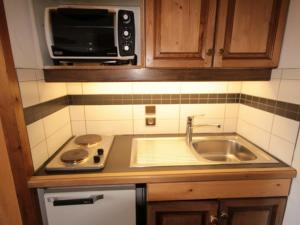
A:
[(223, 151), (204, 150)]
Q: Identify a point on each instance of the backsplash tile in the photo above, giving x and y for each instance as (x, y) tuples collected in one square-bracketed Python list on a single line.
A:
[(271, 115), (289, 91), (109, 127), (203, 87), (39, 111), (285, 128), (156, 88), (74, 88), (266, 89), (55, 121), (29, 93), (49, 91), (78, 127), (163, 126), (107, 88), (113, 112), (281, 149)]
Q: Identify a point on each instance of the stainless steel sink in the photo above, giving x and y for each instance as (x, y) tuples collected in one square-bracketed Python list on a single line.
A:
[(223, 151), (204, 150)]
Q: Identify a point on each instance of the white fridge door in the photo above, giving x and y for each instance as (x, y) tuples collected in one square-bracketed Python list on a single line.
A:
[(103, 207)]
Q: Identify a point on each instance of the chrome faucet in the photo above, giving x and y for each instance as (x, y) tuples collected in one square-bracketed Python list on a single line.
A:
[(190, 126)]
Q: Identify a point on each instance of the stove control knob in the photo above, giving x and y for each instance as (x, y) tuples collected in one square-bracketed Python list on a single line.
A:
[(126, 48), (100, 151), (97, 159)]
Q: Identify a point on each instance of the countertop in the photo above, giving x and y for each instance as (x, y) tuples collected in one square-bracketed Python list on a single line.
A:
[(118, 171)]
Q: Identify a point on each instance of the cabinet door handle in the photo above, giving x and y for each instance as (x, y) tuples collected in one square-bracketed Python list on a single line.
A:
[(210, 52), (213, 220), (221, 51), (76, 201), (224, 216)]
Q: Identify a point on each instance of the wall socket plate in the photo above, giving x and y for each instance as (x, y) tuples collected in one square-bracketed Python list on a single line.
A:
[(150, 109), (150, 121)]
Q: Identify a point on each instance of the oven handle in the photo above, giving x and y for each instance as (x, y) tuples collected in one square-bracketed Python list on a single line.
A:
[(77, 201)]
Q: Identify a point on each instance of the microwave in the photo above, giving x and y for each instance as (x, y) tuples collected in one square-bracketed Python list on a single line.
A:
[(109, 35)]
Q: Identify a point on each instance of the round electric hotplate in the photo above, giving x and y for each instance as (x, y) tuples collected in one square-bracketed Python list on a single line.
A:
[(74, 156), (87, 140)]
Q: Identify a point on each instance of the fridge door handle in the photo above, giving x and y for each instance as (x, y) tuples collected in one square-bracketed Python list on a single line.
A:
[(76, 201)]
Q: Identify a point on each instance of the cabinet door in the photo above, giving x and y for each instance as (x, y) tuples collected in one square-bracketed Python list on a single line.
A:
[(250, 33), (267, 211), (182, 213), (179, 33)]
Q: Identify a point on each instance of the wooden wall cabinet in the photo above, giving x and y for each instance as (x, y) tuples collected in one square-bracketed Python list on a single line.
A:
[(211, 33), (260, 211), (180, 33)]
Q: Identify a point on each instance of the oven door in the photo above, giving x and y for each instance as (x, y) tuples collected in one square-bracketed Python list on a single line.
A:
[(113, 205), (83, 32)]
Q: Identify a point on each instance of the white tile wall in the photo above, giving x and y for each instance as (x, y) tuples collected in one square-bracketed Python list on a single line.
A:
[(56, 121), (274, 133), (29, 93), (45, 135), (256, 117), (48, 91), (36, 133), (39, 154), (255, 134), (204, 87), (108, 112), (58, 138), (268, 89), (77, 112), (78, 127), (162, 111), (109, 127), (74, 88), (285, 128), (107, 88), (289, 91), (163, 126), (156, 88), (282, 149)]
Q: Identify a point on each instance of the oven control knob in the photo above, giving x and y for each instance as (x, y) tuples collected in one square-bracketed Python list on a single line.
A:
[(125, 17), (126, 48), (100, 151), (126, 33), (97, 159)]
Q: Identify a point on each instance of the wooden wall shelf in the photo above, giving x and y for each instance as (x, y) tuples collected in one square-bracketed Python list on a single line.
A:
[(94, 74)]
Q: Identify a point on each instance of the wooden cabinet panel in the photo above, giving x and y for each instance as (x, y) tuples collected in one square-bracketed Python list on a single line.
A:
[(218, 189), (179, 33), (250, 33), (265, 211), (182, 213)]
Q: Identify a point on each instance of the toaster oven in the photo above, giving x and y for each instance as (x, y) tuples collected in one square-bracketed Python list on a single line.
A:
[(92, 33)]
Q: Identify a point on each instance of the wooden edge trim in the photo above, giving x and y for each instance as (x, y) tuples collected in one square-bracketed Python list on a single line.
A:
[(160, 176), (144, 74), (218, 189)]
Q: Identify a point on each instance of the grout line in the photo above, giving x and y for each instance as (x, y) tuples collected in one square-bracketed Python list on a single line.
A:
[(295, 146)]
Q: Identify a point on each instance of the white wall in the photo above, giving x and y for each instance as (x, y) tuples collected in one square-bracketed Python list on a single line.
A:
[(23, 36), (292, 211), (291, 47)]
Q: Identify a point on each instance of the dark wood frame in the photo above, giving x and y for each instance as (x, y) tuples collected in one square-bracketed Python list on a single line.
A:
[(14, 129), (145, 74)]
